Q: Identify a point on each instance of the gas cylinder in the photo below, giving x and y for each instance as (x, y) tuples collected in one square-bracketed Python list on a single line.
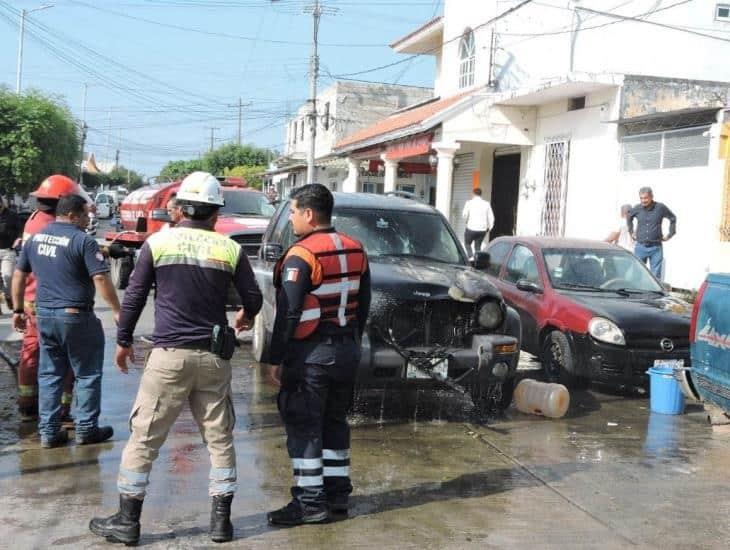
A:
[(542, 398)]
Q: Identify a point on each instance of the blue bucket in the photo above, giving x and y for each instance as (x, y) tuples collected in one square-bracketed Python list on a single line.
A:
[(665, 394)]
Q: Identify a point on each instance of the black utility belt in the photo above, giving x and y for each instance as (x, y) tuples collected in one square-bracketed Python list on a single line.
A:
[(222, 342), (332, 338)]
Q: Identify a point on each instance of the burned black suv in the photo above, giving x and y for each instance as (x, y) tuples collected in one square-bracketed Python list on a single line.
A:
[(434, 318)]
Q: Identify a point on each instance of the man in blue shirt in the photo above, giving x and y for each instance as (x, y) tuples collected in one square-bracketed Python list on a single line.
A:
[(69, 268)]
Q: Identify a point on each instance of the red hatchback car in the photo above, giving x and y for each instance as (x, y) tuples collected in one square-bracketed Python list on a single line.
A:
[(590, 310)]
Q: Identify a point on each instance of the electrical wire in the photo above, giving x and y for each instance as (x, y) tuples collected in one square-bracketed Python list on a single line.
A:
[(435, 48)]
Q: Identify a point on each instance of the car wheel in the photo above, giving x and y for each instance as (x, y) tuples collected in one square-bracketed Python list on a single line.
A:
[(261, 340), (558, 362), (121, 269)]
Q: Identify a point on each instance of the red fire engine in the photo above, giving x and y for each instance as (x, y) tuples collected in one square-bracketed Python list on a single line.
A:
[(144, 211)]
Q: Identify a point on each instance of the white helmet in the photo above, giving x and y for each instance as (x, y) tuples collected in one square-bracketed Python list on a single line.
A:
[(201, 187)]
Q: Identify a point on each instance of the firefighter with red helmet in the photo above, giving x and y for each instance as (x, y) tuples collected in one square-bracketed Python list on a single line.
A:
[(69, 270), (46, 196), (323, 299)]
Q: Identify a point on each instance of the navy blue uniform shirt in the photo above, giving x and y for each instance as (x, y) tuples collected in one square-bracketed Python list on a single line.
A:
[(63, 259)]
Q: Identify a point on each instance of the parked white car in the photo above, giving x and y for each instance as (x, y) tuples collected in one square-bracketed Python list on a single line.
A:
[(105, 205)]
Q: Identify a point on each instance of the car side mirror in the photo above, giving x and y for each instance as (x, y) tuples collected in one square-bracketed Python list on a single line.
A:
[(160, 215), (529, 286), (481, 260), (271, 252)]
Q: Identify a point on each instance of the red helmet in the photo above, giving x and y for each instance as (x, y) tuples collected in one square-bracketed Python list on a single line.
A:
[(53, 187)]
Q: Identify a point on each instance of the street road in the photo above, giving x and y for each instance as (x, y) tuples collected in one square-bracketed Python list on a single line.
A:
[(609, 475)]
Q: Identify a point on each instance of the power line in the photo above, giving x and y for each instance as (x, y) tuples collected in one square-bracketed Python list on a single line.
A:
[(217, 34), (655, 23), (435, 48)]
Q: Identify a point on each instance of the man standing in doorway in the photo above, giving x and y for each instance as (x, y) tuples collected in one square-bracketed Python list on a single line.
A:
[(648, 232), (479, 221)]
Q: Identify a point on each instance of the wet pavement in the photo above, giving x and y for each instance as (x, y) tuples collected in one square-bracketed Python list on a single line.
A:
[(608, 475)]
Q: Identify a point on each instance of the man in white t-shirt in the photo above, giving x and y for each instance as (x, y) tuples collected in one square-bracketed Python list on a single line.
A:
[(479, 221), (621, 235), (173, 210)]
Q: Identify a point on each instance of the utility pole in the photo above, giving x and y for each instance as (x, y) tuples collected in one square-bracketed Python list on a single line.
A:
[(313, 74), (212, 136), (23, 14), (240, 117), (116, 160), (83, 134)]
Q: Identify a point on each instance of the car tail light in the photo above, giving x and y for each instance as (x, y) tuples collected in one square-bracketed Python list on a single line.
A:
[(696, 312)]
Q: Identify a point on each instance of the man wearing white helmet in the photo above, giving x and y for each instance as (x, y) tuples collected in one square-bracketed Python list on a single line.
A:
[(192, 267)]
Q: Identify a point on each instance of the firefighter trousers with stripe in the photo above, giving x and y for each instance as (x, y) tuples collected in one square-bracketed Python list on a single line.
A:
[(173, 377), (317, 387)]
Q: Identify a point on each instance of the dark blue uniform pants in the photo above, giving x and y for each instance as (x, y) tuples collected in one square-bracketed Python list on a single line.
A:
[(69, 341), (316, 394)]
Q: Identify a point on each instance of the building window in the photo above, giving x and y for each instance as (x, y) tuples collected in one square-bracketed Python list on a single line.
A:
[(301, 126), (576, 103), (467, 56), (373, 187), (670, 149), (295, 132), (326, 116), (722, 12)]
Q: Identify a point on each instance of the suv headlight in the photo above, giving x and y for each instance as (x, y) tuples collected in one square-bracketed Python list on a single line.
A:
[(606, 331), (490, 315)]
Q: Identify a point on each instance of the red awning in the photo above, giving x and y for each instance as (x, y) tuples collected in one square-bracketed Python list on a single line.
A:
[(411, 147)]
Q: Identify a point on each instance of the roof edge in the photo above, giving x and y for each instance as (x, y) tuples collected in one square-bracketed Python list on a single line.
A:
[(425, 27)]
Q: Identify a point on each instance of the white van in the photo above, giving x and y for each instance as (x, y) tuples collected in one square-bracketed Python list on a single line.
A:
[(106, 204)]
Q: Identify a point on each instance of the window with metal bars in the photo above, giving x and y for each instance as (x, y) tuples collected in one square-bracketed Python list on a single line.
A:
[(467, 59), (556, 184), (670, 149)]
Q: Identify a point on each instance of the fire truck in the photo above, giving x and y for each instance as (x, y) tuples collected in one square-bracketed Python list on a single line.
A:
[(144, 211)]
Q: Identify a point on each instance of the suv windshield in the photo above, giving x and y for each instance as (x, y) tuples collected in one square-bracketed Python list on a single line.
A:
[(249, 203), (400, 233), (571, 268)]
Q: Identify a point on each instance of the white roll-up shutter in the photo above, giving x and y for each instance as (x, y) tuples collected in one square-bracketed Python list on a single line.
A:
[(462, 190)]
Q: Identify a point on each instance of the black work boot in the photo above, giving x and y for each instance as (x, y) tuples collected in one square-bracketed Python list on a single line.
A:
[(97, 435), (61, 438), (297, 513), (338, 504), (221, 528), (122, 526)]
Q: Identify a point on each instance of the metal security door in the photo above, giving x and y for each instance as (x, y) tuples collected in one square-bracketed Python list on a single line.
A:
[(461, 190), (556, 188)]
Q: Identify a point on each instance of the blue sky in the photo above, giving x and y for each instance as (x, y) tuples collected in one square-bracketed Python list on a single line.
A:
[(161, 73)]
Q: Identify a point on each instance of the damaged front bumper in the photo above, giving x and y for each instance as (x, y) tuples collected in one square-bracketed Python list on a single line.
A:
[(491, 358)]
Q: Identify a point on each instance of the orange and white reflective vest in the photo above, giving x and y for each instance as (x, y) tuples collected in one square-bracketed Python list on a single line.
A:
[(337, 262)]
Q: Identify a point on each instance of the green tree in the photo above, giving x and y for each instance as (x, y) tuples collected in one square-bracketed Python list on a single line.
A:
[(254, 175), (233, 155), (177, 169), (119, 176), (38, 137)]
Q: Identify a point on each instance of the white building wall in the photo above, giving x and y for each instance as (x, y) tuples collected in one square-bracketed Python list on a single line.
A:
[(352, 106), (694, 195), (592, 167), (536, 42), (597, 187)]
